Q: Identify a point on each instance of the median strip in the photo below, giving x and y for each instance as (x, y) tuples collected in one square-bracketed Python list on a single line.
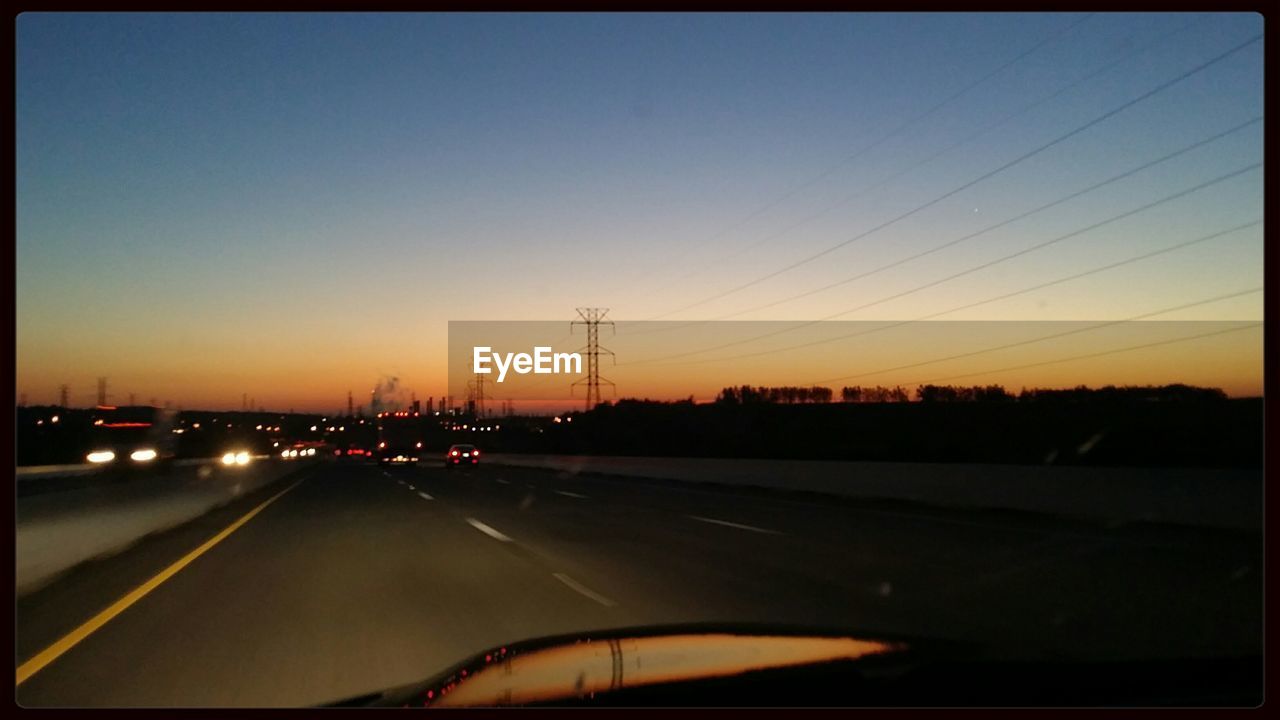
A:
[(71, 639), (739, 526), (584, 590), (487, 530)]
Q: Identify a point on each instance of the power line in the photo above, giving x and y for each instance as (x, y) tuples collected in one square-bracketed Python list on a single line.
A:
[(1115, 178), (1054, 336), (1094, 355), (962, 273), (978, 133), (1021, 158), (1022, 216), (894, 132)]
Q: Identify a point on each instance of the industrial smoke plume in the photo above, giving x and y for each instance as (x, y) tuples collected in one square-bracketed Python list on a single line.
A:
[(387, 395)]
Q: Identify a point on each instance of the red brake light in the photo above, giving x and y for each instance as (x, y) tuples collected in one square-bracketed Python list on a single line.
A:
[(454, 453), (475, 453)]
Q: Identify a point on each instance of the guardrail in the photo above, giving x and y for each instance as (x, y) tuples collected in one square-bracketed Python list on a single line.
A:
[(1208, 497)]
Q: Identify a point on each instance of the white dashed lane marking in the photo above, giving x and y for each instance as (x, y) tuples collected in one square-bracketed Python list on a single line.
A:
[(739, 526), (583, 589), (425, 496), (487, 530), (566, 493)]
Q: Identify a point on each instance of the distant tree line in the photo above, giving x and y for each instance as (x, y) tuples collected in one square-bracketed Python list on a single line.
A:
[(747, 394), (790, 395), (1149, 393), (953, 393), (877, 394)]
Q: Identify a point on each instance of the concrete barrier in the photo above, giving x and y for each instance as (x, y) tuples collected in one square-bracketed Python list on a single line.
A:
[(38, 479), (1228, 498), (58, 530)]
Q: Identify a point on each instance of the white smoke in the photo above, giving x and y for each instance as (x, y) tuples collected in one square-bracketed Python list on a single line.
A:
[(388, 395)]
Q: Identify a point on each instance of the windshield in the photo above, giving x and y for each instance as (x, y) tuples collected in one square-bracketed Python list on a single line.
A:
[(352, 346)]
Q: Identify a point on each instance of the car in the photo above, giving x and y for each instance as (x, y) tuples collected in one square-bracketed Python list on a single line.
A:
[(236, 456), (462, 455), (353, 452), (297, 451), (755, 665)]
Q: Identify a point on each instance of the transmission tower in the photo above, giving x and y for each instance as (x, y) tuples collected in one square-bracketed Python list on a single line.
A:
[(476, 395), (593, 318), (62, 395), (480, 396), (102, 391)]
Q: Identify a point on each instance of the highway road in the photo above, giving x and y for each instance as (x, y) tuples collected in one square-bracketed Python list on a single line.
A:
[(358, 578)]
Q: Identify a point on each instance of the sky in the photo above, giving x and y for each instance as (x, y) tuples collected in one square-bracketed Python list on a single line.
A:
[(293, 206)]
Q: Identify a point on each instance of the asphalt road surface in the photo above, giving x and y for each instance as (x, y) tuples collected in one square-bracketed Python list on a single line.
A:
[(360, 578)]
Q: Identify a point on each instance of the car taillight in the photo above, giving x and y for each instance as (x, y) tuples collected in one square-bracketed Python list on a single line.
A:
[(475, 453), (454, 453)]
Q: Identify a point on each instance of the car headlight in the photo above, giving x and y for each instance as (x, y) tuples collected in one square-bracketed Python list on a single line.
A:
[(143, 455), (242, 458), (101, 456), (229, 459)]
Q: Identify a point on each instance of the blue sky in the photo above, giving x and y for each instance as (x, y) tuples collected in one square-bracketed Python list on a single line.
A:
[(206, 188)]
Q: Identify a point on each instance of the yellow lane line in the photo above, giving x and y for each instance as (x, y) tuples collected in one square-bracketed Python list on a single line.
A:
[(68, 641)]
